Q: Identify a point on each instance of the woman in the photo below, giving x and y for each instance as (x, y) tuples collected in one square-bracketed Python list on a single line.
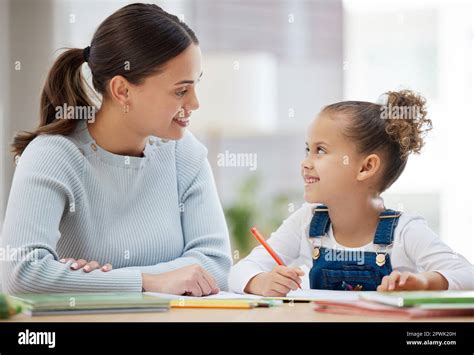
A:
[(89, 194)]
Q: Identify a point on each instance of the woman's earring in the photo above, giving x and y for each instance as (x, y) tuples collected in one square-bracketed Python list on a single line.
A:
[(125, 108)]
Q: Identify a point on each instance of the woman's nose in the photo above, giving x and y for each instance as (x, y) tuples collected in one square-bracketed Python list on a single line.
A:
[(193, 103)]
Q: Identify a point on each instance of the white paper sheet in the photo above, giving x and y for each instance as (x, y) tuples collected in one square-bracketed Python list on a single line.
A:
[(326, 295), (220, 295)]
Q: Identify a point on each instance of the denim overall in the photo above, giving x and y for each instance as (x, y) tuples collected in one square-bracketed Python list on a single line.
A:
[(329, 273)]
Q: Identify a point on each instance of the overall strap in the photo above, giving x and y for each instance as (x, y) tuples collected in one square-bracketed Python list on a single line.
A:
[(388, 220), (320, 222)]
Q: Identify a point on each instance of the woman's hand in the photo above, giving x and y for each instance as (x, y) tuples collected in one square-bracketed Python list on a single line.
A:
[(85, 265), (277, 283), (408, 281), (192, 280)]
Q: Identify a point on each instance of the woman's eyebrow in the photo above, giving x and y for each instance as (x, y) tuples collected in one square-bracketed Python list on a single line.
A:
[(188, 81)]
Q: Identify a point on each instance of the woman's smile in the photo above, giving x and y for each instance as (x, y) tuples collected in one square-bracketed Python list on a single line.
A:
[(182, 121)]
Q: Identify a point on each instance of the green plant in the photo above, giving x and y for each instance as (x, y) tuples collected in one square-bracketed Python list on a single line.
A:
[(241, 215), (247, 212)]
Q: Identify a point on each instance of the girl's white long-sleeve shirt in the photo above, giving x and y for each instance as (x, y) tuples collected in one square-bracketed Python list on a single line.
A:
[(415, 248)]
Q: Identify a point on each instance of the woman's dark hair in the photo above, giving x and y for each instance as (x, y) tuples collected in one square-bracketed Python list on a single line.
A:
[(135, 42), (395, 127)]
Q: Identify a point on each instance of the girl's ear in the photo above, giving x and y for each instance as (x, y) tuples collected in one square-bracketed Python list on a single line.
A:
[(118, 88), (370, 166)]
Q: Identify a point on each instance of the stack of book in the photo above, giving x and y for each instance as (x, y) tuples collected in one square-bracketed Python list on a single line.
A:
[(413, 304), (87, 303)]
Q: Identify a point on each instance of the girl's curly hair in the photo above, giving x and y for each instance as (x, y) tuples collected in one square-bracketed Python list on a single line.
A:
[(396, 127)]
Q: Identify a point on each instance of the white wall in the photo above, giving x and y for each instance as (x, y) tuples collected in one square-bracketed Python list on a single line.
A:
[(426, 46), (28, 45), (4, 105)]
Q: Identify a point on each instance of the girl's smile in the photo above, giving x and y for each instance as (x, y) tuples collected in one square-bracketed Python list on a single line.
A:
[(309, 180)]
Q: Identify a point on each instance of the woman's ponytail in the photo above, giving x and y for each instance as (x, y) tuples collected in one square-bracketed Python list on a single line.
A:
[(135, 42), (65, 88)]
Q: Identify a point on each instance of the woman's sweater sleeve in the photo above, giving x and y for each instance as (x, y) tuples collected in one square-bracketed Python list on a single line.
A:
[(46, 185)]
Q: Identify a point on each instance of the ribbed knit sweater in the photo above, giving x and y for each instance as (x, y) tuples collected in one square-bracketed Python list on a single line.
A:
[(72, 199)]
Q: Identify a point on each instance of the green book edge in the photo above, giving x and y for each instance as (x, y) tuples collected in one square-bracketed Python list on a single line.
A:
[(83, 301), (415, 298)]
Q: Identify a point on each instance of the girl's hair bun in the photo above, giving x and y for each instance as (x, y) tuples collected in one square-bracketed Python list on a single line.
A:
[(406, 122)]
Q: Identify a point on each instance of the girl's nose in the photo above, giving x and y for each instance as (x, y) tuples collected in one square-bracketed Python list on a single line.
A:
[(306, 164)]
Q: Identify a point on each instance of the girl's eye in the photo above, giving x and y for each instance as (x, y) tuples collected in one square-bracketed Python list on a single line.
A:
[(181, 93), (319, 150)]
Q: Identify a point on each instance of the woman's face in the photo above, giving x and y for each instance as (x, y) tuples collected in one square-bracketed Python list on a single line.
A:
[(331, 164), (162, 104)]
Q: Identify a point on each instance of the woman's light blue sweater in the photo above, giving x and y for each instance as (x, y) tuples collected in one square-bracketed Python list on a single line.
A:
[(150, 214)]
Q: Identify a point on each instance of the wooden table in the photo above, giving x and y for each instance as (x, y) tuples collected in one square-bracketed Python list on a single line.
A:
[(297, 312)]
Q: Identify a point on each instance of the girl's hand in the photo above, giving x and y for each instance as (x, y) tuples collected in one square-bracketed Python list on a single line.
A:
[(406, 281), (85, 265), (276, 283), (192, 280)]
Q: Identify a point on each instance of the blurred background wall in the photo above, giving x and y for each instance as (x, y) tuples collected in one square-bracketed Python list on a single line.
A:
[(269, 67)]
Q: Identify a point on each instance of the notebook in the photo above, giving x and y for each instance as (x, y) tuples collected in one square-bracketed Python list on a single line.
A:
[(367, 308), (86, 303), (413, 298)]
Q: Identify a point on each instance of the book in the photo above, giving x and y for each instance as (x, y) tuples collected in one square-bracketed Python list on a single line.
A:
[(368, 308), (414, 298), (83, 303)]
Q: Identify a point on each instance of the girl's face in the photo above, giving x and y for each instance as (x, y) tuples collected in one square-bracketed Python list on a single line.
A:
[(331, 167), (162, 104)]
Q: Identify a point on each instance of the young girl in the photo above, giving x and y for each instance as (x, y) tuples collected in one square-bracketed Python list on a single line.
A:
[(344, 234)]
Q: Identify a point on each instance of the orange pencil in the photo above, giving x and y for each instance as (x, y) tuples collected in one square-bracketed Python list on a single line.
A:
[(262, 241)]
